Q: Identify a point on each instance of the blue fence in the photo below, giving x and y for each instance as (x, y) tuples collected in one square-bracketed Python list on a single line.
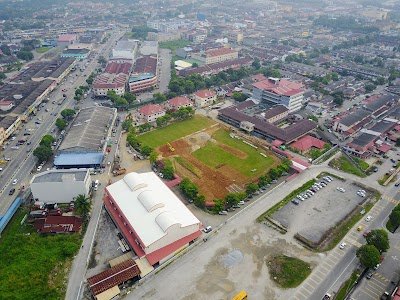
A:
[(10, 213)]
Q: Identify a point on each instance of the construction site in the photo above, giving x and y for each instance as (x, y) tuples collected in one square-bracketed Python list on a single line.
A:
[(219, 161)]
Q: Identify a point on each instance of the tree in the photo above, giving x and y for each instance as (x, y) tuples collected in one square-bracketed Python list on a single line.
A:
[(369, 256), (47, 140), (121, 102), (200, 201), (83, 205), (219, 205), (240, 97), (335, 76), (232, 199), (61, 124), (251, 188), (380, 81), (126, 124), (5, 49), (378, 238), (370, 87), (158, 97), (129, 97), (168, 172), (394, 218), (256, 63), (189, 189), (195, 65), (2, 76), (263, 180), (313, 118), (398, 142), (273, 173), (25, 55), (68, 114), (112, 95), (78, 92), (153, 157), (146, 150), (102, 60), (43, 153)]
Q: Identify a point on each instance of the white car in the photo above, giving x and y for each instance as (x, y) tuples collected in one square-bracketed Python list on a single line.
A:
[(15, 181), (368, 218), (342, 245), (39, 168), (340, 189)]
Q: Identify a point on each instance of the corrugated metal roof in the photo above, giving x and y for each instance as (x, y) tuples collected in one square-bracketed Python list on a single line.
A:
[(113, 276), (76, 159)]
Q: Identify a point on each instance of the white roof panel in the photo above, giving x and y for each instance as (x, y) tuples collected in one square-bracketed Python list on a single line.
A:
[(150, 206)]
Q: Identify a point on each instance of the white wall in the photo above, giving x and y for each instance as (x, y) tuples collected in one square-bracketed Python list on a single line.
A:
[(60, 192)]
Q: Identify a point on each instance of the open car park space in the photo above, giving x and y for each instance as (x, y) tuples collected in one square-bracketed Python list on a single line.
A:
[(313, 217)]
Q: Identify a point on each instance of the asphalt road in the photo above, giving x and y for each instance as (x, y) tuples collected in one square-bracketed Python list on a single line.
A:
[(22, 161)]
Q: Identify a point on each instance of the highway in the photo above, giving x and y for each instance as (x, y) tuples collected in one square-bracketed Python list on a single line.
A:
[(22, 161)]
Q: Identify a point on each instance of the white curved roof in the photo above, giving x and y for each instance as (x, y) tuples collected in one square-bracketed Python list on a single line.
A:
[(151, 208), (134, 181), (165, 220), (149, 201)]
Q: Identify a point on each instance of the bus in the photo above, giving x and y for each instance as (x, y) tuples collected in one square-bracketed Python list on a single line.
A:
[(241, 296)]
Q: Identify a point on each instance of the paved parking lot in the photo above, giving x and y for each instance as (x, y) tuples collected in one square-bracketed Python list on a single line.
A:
[(322, 211)]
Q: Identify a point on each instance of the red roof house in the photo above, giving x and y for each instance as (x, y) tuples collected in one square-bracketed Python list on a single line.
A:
[(204, 98), (178, 102), (151, 112), (58, 224), (306, 143)]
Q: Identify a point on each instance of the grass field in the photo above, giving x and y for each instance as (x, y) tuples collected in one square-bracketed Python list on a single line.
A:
[(175, 131), (213, 156), (173, 45), (42, 49), (288, 272), (34, 266), (362, 164), (345, 165)]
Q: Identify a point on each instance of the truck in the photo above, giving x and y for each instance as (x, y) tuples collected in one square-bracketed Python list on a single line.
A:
[(120, 171)]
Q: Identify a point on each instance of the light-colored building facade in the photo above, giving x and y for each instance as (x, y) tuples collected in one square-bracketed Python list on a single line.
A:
[(151, 112), (275, 91), (204, 98), (216, 55), (125, 49), (60, 186)]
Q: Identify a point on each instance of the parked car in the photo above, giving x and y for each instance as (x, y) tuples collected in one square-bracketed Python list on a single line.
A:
[(241, 203), (207, 229), (223, 212), (369, 275), (15, 181), (11, 192), (342, 245), (340, 189), (294, 201), (368, 218)]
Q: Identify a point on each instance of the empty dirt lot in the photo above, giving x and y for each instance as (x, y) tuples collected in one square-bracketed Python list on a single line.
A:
[(325, 209)]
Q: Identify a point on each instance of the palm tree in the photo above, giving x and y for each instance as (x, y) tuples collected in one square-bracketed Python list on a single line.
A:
[(83, 205)]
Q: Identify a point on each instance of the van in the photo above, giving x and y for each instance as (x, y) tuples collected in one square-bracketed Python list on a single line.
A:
[(359, 228), (14, 147), (96, 184)]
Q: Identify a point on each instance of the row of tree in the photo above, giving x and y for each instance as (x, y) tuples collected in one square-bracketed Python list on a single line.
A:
[(124, 101), (377, 243), (67, 115), (43, 152)]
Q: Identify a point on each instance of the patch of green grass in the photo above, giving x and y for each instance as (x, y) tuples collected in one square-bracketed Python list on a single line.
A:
[(214, 156), (390, 226), (288, 272), (346, 286), (344, 227), (343, 163), (42, 49), (188, 166), (286, 200), (173, 45), (33, 266), (362, 164), (174, 131)]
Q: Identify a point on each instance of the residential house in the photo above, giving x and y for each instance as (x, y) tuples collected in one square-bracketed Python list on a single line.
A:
[(178, 102), (151, 112), (204, 98)]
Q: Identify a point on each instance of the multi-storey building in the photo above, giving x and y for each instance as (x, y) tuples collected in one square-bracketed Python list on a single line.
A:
[(275, 91)]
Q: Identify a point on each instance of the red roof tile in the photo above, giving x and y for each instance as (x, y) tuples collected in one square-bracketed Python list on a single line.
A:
[(55, 224), (150, 109), (281, 87), (179, 101), (307, 142), (384, 148), (205, 94)]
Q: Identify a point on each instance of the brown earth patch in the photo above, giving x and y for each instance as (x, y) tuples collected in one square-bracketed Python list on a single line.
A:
[(181, 147), (232, 150)]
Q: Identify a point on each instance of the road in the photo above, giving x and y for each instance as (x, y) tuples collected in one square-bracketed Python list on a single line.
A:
[(22, 161)]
